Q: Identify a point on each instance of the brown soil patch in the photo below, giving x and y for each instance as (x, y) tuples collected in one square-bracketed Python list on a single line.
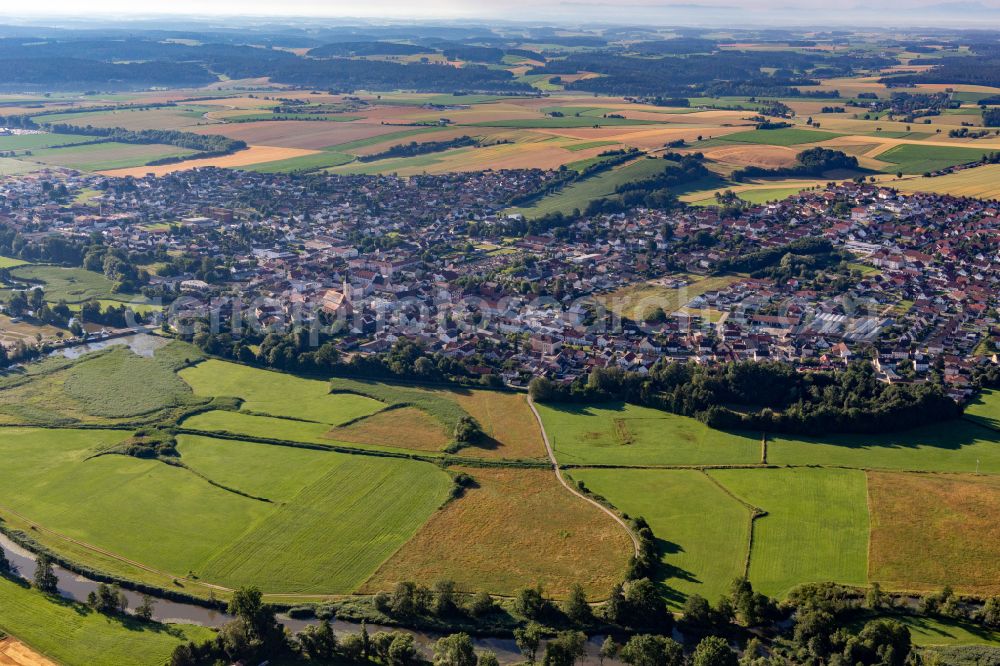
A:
[(308, 134), (252, 155), (519, 527), (508, 423), (406, 427), (15, 653), (769, 157), (932, 530)]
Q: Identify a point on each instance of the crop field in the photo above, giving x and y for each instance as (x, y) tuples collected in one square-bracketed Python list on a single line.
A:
[(932, 530), (623, 434), (816, 527), (408, 427), (68, 632), (252, 155), (507, 422), (791, 136), (301, 134), (483, 540), (704, 533), (912, 158), (982, 182), (637, 300), (105, 156), (958, 446), (319, 160), (277, 394)]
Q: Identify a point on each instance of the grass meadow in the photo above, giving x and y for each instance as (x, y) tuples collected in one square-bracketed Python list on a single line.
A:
[(72, 633), (957, 446), (703, 532), (277, 394), (790, 136), (73, 285), (913, 158), (108, 155), (623, 434), (816, 527)]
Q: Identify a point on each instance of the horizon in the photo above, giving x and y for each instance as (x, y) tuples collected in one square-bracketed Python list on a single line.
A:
[(930, 14)]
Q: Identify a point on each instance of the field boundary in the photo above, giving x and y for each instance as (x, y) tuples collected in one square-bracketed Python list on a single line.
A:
[(755, 513), (558, 472)]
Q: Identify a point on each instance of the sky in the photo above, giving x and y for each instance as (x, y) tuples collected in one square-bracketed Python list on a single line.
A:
[(980, 13)]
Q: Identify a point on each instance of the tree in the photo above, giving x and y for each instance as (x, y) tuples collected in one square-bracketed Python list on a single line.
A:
[(444, 598), (609, 650), (875, 599), (698, 613), (454, 650), (402, 650), (488, 658), (881, 643), (318, 642), (565, 649), (652, 650), (530, 603), (714, 651), (45, 579), (645, 606), (990, 614), (481, 604), (576, 607), (527, 639)]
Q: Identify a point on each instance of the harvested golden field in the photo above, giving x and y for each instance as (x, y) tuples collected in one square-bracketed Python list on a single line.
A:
[(645, 136), (252, 155), (305, 134), (982, 182), (15, 653), (422, 137), (754, 155), (406, 427), (507, 421), (637, 300), (518, 528), (932, 530)]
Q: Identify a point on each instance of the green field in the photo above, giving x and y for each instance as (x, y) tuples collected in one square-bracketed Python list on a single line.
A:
[(10, 262), (581, 193), (103, 156), (339, 515), (789, 136), (911, 158), (277, 394), (318, 522), (12, 167), (704, 532), (72, 633), (623, 434), (816, 527), (949, 447), (38, 141), (927, 631), (73, 285), (985, 409)]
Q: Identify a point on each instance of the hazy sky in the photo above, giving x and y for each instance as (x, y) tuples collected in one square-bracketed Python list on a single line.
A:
[(569, 11)]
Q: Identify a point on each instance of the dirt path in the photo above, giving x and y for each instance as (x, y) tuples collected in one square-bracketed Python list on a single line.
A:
[(568, 486), (15, 653)]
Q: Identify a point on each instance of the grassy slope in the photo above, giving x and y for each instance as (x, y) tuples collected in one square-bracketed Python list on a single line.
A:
[(948, 447), (74, 285), (102, 156), (277, 393), (816, 528), (579, 194), (912, 158), (74, 635), (703, 532), (622, 434)]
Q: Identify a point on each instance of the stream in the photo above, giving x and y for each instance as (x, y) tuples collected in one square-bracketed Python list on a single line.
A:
[(76, 587)]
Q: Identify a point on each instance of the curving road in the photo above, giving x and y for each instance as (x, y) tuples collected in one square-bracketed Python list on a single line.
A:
[(569, 486)]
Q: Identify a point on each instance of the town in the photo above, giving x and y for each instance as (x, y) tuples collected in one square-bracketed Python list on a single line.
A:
[(850, 271)]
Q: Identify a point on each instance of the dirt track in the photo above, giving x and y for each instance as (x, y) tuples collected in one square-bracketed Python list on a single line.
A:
[(15, 653)]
